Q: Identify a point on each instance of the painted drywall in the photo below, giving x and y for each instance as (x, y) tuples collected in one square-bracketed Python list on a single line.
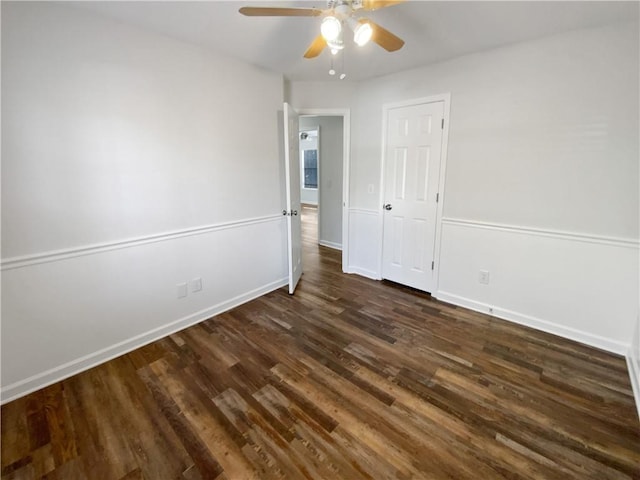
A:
[(550, 125), (331, 171), (329, 93), (543, 144), (126, 170), (309, 196), (580, 287), (136, 133)]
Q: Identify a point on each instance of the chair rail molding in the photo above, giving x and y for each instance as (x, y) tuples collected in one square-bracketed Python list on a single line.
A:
[(63, 254)]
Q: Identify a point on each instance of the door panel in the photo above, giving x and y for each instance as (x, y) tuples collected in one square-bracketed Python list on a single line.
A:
[(412, 170), (400, 173), (293, 210), (422, 173)]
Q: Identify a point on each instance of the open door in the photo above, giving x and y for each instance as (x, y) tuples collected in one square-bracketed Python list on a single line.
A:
[(293, 211)]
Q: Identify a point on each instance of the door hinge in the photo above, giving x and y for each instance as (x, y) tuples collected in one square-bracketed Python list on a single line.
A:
[(442, 124), (437, 197), (432, 264)]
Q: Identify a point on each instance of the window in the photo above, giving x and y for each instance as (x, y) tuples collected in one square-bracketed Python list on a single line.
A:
[(310, 174), (309, 159)]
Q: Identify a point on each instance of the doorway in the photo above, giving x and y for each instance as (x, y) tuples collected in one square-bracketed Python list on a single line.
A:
[(309, 183), (330, 163)]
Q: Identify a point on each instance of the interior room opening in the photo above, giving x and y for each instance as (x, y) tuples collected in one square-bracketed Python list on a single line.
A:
[(321, 178)]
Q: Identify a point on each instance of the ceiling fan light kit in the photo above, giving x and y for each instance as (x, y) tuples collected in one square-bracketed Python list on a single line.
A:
[(337, 14), (362, 31), (336, 45), (331, 28)]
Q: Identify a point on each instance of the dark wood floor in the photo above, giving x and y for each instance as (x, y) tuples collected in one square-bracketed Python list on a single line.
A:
[(347, 379)]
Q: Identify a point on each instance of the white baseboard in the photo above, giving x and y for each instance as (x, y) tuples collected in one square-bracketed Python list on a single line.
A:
[(539, 324), (363, 272), (335, 246), (634, 376), (56, 374)]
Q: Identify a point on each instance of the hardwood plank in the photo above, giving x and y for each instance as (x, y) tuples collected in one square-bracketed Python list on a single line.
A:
[(60, 425), (15, 433), (151, 435)]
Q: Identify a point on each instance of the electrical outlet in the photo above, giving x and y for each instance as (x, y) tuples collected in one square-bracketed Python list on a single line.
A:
[(483, 277), (181, 290), (196, 284)]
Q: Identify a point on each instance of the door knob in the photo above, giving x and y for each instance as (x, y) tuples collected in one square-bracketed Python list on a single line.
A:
[(388, 206)]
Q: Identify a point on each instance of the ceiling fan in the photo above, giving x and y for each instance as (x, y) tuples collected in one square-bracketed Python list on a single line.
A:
[(337, 15)]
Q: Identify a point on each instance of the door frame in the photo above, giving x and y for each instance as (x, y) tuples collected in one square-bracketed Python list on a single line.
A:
[(446, 99), (345, 113)]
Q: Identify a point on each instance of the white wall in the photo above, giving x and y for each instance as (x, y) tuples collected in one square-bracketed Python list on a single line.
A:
[(331, 171), (541, 184), (321, 94), (309, 196), (125, 171)]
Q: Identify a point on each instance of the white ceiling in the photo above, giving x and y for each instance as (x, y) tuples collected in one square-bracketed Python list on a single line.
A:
[(433, 30)]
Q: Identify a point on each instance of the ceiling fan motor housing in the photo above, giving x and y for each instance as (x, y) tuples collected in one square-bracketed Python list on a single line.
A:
[(355, 4), (343, 10)]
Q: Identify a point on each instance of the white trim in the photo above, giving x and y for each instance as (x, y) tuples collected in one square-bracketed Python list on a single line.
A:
[(597, 341), (364, 272), (572, 236), (445, 98), (56, 374), (334, 245), (441, 184), (92, 249), (345, 113), (634, 376)]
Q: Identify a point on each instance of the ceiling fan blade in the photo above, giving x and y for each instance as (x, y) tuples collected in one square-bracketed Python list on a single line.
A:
[(279, 12), (378, 4), (385, 38), (316, 47)]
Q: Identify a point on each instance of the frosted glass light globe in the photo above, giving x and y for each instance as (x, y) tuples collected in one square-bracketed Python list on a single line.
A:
[(362, 33), (330, 28)]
